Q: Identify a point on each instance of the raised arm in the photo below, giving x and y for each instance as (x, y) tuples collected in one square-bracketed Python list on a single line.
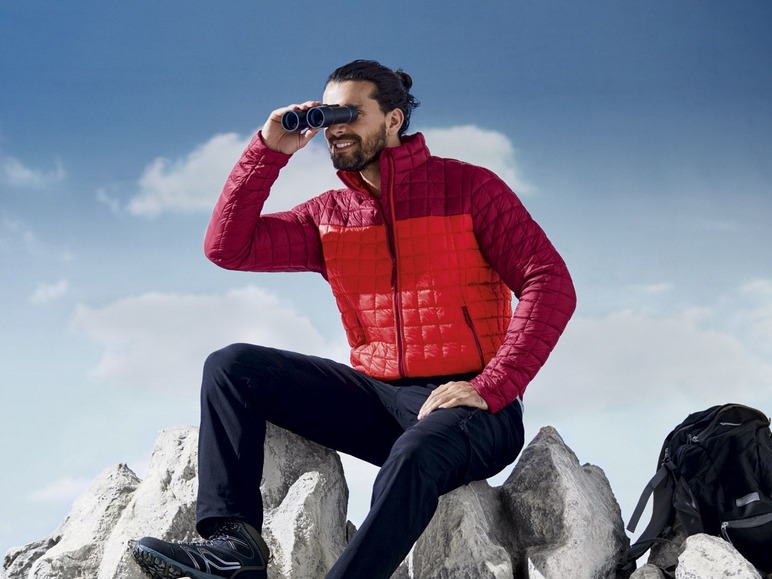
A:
[(239, 236)]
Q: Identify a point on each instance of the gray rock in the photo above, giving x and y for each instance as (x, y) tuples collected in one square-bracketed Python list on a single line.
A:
[(307, 512), (75, 548), (709, 557), (162, 506), (18, 561), (665, 554), (566, 519), (461, 541), (551, 518), (289, 456), (648, 571), (305, 499), (307, 531)]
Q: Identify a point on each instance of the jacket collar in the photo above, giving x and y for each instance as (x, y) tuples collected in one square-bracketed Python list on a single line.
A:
[(411, 153)]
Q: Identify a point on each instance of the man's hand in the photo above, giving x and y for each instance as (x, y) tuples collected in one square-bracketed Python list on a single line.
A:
[(281, 141), (452, 394)]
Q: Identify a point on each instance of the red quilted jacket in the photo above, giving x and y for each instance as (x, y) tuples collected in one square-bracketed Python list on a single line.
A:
[(423, 277)]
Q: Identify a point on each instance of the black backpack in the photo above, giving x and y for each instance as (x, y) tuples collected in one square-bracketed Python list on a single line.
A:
[(715, 475)]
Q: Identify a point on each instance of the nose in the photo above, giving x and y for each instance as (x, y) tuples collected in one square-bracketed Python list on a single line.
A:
[(336, 130)]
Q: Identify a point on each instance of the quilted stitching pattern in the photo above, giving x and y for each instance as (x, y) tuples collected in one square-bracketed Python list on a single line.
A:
[(423, 278), (441, 278)]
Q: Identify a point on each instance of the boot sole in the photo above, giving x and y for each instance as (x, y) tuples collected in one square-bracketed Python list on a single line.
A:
[(154, 565), (157, 566)]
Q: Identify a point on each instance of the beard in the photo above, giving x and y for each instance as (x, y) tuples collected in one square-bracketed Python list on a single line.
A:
[(366, 151)]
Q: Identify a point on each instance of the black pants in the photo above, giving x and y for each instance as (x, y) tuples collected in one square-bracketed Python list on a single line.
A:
[(331, 404)]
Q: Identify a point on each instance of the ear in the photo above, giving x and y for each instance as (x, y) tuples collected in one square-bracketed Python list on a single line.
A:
[(394, 121)]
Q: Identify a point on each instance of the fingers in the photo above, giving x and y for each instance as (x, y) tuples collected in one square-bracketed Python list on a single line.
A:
[(445, 396), (450, 395), (277, 114), (276, 138)]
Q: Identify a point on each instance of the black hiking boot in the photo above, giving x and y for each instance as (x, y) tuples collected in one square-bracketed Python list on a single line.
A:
[(234, 550)]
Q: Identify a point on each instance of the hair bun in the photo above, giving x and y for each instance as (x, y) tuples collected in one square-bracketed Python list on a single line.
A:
[(407, 82)]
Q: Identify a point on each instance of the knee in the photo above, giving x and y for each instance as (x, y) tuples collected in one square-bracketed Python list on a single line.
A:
[(230, 365), (226, 357)]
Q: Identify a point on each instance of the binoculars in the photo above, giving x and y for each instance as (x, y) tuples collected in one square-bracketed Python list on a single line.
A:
[(318, 117)]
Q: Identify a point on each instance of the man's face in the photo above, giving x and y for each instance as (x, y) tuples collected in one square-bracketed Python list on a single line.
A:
[(355, 146)]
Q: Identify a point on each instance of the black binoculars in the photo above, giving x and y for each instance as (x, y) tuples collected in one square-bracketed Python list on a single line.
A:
[(318, 117)]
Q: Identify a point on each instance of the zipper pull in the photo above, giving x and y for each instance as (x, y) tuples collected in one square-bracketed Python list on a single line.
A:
[(725, 531)]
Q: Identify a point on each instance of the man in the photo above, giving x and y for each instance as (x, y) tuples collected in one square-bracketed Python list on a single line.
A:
[(422, 255)]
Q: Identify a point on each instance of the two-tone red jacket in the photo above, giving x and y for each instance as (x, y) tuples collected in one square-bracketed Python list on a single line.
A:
[(423, 277)]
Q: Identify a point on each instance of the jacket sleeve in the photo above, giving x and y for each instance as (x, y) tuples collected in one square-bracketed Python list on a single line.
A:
[(518, 249), (239, 237)]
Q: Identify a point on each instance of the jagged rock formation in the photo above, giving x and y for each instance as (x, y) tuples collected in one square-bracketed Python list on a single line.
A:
[(304, 494), (569, 523), (79, 542), (91, 542), (704, 557), (552, 518)]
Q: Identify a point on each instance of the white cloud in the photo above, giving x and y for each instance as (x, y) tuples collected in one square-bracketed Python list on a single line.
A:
[(159, 341), (60, 491), (486, 148), (16, 174), (192, 183), (628, 358), (47, 292)]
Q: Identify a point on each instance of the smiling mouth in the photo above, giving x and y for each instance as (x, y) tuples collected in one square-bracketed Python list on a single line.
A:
[(341, 144)]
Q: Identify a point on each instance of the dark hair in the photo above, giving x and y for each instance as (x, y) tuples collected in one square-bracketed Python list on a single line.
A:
[(392, 88)]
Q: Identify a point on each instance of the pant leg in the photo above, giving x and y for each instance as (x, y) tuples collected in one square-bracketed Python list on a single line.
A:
[(445, 450), (244, 386)]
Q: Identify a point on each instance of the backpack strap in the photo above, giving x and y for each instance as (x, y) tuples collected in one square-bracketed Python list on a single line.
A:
[(656, 481), (662, 486)]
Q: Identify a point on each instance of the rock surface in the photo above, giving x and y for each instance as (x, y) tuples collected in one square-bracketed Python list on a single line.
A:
[(79, 542), (467, 521), (569, 523), (163, 505), (707, 556), (648, 571), (552, 518), (304, 488)]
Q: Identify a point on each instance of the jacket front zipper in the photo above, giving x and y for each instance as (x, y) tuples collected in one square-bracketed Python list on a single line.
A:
[(393, 247)]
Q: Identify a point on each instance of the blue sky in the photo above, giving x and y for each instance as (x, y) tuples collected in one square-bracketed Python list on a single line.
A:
[(637, 134)]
